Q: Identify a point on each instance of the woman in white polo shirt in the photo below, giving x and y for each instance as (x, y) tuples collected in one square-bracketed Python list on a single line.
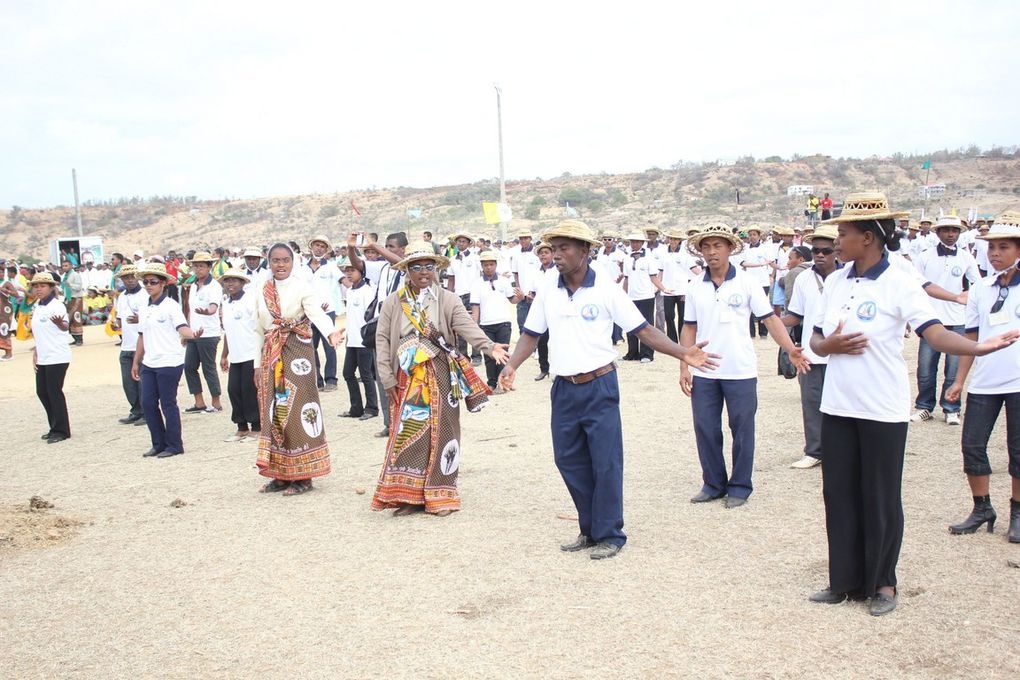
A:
[(203, 314), (237, 357), (866, 400), (51, 356), (993, 307), (159, 360), (718, 307)]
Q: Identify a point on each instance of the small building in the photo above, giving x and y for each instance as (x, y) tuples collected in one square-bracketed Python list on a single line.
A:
[(800, 190)]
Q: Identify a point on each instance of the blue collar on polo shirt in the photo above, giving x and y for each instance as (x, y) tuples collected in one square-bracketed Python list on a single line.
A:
[(839, 265), (51, 296), (495, 277), (237, 296), (730, 273), (161, 298), (945, 251), (872, 273), (588, 282), (207, 280)]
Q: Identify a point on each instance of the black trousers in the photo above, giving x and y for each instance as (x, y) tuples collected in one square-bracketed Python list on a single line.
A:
[(49, 387), (362, 361), (202, 352), (132, 390), (462, 346), (635, 348), (500, 334), (244, 398), (673, 307), (862, 475)]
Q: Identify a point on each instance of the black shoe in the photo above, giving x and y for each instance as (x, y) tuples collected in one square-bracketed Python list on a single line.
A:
[(831, 597), (350, 414), (882, 604), (56, 438), (151, 453), (1014, 521), (168, 454), (982, 512), (604, 550), (367, 416), (734, 502), (385, 432), (580, 543), (129, 420), (140, 422), (542, 376), (328, 387), (45, 436), (628, 357), (476, 361), (704, 497)]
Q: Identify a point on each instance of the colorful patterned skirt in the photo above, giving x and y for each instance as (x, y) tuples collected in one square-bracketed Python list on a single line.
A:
[(423, 451), (74, 315), (8, 325), (292, 444)]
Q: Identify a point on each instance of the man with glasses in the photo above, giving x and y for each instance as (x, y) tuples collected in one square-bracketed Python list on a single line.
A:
[(805, 303)]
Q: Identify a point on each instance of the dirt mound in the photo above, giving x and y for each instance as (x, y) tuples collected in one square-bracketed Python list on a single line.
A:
[(24, 528)]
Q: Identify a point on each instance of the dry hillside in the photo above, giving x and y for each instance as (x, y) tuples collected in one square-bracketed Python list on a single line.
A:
[(686, 193)]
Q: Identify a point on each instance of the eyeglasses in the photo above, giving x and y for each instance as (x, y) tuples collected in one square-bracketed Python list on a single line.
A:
[(1003, 294), (822, 251), (421, 267), (151, 282)]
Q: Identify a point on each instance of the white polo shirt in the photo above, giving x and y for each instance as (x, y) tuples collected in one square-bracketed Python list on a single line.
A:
[(805, 303), (981, 255), (209, 294), (358, 301), (239, 319), (947, 268), (676, 270), (759, 255), (998, 372), (51, 343), (158, 324), (638, 271), (326, 282), (581, 325), (721, 315), (258, 278), (525, 265), (466, 269), (491, 298), (610, 264), (879, 303), (545, 276), (128, 305)]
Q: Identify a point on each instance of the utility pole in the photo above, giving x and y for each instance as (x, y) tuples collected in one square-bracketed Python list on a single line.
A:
[(77, 208), (502, 178)]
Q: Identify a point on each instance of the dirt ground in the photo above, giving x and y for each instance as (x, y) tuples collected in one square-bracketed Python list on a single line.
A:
[(177, 568)]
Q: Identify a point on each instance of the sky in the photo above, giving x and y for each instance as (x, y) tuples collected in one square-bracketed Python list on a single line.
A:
[(247, 99)]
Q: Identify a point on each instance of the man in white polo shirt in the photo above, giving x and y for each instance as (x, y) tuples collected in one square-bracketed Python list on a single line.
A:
[(132, 299), (464, 271), (757, 259), (805, 303), (718, 306), (579, 311), (240, 315), (325, 279), (206, 298), (490, 309), (642, 273), (944, 265), (676, 275), (524, 266)]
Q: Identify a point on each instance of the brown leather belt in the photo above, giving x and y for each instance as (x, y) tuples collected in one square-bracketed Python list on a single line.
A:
[(582, 378)]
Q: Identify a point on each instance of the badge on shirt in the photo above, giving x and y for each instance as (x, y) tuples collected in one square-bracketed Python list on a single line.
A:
[(1000, 317), (867, 311)]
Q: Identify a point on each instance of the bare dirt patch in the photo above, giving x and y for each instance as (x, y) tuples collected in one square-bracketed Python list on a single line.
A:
[(33, 525)]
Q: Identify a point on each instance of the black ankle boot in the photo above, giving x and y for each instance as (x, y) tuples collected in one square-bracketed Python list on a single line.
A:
[(982, 512), (1014, 521)]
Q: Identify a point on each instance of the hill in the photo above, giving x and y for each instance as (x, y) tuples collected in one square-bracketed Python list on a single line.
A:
[(686, 193)]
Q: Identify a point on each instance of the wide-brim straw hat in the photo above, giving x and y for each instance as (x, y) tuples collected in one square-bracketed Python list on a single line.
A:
[(1007, 225), (540, 245), (755, 227), (691, 231), (127, 270), (206, 258), (675, 233), (609, 234), (43, 277), (462, 234), (865, 206), (950, 221), (714, 231), (487, 256), (825, 231), (421, 250), (524, 233), (235, 274), (575, 230), (252, 252), (635, 236), (783, 231), (156, 269), (321, 238), (651, 229)]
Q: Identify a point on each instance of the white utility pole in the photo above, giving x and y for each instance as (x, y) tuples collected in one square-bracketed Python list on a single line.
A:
[(502, 178), (77, 208)]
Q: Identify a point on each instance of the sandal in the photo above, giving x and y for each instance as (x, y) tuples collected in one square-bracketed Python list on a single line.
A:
[(298, 487), (407, 510), (195, 409), (274, 486)]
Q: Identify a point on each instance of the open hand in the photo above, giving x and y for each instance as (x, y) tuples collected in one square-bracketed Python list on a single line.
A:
[(501, 354), (506, 378), (998, 342), (798, 359), (698, 358), (840, 343), (336, 338)]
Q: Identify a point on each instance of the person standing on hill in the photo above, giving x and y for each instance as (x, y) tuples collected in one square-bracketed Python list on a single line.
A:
[(826, 207)]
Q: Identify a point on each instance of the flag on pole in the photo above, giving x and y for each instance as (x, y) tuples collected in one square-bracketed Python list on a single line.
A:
[(926, 165), (496, 212)]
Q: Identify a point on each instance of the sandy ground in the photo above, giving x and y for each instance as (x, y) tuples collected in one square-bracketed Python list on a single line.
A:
[(115, 582)]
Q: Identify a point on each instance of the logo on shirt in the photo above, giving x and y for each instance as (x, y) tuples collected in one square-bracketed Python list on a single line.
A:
[(867, 311), (735, 300), (590, 312), (956, 271)]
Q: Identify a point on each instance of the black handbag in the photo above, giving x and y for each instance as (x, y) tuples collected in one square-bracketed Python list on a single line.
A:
[(371, 323)]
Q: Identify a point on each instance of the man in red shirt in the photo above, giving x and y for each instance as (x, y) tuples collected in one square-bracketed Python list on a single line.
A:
[(826, 207)]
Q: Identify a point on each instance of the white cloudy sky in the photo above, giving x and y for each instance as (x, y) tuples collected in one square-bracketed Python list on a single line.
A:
[(255, 98)]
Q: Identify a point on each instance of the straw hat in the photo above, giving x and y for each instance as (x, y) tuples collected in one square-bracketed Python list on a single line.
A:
[(825, 231), (652, 229), (913, 226), (1007, 225), (575, 230), (320, 239), (925, 219), (675, 233), (691, 231), (784, 231), (462, 234), (755, 227), (127, 270), (864, 206), (43, 277), (525, 233), (714, 231), (202, 257), (949, 222), (635, 236), (235, 274), (421, 250), (157, 269), (487, 256), (540, 245)]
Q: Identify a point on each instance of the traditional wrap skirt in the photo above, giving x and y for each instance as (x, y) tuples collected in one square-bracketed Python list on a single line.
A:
[(292, 444), (74, 315), (8, 325)]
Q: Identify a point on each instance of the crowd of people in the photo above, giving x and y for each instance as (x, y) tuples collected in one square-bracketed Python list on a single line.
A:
[(838, 298)]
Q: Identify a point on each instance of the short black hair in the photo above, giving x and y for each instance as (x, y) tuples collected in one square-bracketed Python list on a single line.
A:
[(398, 236)]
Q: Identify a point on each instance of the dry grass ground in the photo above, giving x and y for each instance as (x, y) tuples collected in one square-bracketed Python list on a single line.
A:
[(236, 584)]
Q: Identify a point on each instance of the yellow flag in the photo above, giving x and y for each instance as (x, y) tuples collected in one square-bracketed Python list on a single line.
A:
[(491, 211)]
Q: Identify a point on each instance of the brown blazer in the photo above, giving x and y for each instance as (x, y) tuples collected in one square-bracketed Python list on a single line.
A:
[(453, 319)]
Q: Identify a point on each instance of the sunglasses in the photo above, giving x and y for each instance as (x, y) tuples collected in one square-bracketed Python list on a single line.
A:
[(421, 267), (1001, 300), (823, 251), (151, 282)]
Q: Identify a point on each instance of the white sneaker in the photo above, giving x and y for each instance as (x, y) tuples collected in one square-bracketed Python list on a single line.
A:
[(234, 438), (952, 419), (920, 416), (646, 360), (806, 462)]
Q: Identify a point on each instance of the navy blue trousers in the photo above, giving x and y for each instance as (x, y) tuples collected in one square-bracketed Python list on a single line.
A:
[(741, 399), (159, 404), (588, 449)]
